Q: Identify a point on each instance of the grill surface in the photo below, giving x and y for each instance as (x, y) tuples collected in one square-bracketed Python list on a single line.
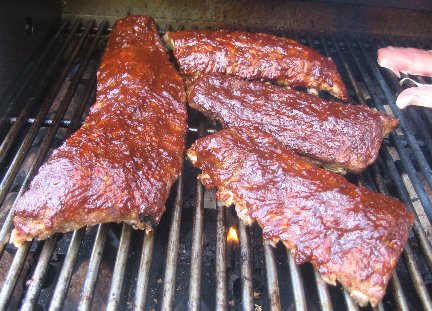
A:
[(186, 262)]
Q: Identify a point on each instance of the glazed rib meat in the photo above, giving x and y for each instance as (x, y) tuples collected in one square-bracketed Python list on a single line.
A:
[(342, 137), (121, 164), (255, 56), (349, 233)]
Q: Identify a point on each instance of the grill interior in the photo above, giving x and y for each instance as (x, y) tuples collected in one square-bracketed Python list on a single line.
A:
[(187, 263)]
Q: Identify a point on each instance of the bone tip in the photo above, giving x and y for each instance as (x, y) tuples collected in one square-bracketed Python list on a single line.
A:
[(192, 155)]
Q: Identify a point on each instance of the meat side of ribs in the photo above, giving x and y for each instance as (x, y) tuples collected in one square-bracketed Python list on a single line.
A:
[(340, 137), (255, 56), (349, 233), (120, 165)]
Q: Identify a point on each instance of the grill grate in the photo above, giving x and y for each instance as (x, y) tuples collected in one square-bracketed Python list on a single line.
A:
[(178, 267)]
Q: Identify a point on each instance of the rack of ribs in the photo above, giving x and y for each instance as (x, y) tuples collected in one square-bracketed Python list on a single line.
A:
[(121, 164), (349, 233), (255, 56), (341, 137)]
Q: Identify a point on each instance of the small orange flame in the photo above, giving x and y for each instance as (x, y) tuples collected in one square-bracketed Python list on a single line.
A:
[(232, 236)]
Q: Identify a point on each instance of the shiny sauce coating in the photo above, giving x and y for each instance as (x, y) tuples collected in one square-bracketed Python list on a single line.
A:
[(340, 136), (348, 233), (120, 165), (255, 56)]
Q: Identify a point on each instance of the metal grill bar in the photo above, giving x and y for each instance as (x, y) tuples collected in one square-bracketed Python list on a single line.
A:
[(351, 305), (221, 264), (395, 138), (13, 274), (7, 226), (416, 278), (43, 262), (119, 268), (246, 268), (93, 268), (173, 246), (398, 293), (272, 278), (66, 272), (323, 292), (408, 165), (39, 273), (5, 231), (196, 258), (418, 154), (297, 283), (13, 132), (31, 134), (380, 307), (418, 121), (144, 271), (29, 74), (197, 240), (421, 126)]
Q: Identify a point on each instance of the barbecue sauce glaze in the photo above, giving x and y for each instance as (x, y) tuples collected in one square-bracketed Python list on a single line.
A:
[(348, 233), (120, 165), (255, 56), (343, 137)]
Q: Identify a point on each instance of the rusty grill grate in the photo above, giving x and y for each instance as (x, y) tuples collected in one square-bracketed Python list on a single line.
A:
[(187, 262)]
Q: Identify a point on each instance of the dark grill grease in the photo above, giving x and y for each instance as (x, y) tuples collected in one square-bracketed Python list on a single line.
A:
[(120, 165), (255, 56), (349, 233), (340, 136)]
